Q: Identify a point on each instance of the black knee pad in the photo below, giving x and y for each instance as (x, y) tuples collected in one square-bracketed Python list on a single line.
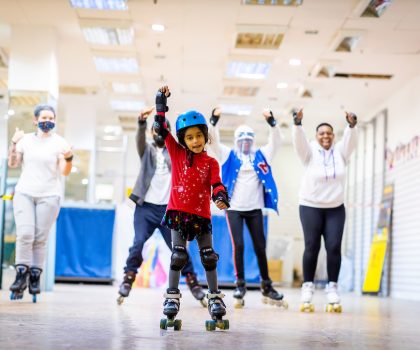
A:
[(209, 258), (179, 258)]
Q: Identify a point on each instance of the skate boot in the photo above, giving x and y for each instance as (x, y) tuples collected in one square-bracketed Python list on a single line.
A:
[(196, 289), (217, 309), (271, 296), (171, 309), (125, 286), (20, 283), (333, 298), (239, 294), (34, 277), (308, 289)]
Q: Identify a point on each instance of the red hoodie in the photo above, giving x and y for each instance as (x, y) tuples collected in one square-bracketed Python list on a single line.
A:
[(191, 185)]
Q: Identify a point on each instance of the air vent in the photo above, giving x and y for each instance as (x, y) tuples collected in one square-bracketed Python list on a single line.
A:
[(326, 72), (376, 8), (240, 91), (307, 94), (273, 2), (78, 90), (363, 76)]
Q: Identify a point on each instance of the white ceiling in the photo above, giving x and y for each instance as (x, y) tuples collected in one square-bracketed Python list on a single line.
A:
[(192, 55)]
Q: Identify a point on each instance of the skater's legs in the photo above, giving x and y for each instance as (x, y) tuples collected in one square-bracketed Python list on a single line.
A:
[(144, 226), (179, 257), (235, 225), (209, 259), (333, 234), (166, 234), (24, 212), (312, 220), (255, 223), (46, 212)]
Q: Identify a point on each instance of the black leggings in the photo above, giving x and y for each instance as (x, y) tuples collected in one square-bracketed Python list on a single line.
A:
[(317, 222), (255, 224)]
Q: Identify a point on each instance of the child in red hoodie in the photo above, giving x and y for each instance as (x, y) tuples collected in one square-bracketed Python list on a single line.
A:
[(195, 180)]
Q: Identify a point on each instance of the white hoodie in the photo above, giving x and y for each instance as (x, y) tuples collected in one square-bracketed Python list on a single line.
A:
[(325, 170)]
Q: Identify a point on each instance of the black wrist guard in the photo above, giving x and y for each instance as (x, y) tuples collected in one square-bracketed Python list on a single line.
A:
[(161, 99), (271, 120), (214, 118), (221, 196), (296, 120)]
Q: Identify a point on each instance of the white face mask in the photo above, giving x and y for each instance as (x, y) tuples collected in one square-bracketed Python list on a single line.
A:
[(244, 139)]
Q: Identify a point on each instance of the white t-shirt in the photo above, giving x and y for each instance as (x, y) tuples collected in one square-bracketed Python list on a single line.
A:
[(160, 185), (324, 179), (40, 170)]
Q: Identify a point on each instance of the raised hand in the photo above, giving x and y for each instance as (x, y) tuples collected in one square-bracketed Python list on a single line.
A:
[(269, 117), (144, 113), (297, 117), (17, 135), (215, 115), (351, 119), (161, 98)]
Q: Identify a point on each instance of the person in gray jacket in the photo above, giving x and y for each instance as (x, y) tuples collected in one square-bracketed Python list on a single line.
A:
[(151, 196)]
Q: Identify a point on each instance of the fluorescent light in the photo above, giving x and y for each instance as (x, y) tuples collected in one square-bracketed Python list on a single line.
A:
[(126, 88), (85, 181), (116, 65), (248, 70), (112, 129), (158, 27), (125, 105), (74, 169), (236, 109), (11, 112), (116, 5), (282, 85), (108, 36), (295, 62)]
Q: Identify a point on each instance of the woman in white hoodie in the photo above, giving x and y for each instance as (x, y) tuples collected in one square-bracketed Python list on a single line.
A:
[(321, 199)]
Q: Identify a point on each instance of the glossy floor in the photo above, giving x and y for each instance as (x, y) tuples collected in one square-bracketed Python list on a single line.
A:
[(88, 317)]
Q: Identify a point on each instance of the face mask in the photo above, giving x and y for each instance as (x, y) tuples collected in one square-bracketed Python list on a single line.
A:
[(46, 126), (159, 140)]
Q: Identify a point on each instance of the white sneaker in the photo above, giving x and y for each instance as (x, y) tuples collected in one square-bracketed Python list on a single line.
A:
[(332, 293), (308, 289)]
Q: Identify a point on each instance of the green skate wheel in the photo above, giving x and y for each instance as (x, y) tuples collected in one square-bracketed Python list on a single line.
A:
[(120, 300), (224, 324), (210, 325), (177, 325), (163, 324), (203, 302), (34, 298)]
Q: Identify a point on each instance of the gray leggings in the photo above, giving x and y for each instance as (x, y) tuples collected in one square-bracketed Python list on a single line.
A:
[(204, 240), (34, 217)]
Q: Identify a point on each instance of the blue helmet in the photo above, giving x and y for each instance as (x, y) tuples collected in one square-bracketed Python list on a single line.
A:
[(188, 119)]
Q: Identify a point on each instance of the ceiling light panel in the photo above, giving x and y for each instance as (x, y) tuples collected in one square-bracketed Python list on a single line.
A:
[(248, 70), (127, 105), (126, 88), (115, 5), (273, 2), (240, 91), (108, 36), (116, 65), (236, 109)]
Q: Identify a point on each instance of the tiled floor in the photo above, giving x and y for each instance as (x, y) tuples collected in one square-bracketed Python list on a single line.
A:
[(88, 317)]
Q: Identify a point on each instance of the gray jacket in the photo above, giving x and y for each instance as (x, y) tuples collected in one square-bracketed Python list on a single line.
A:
[(147, 153)]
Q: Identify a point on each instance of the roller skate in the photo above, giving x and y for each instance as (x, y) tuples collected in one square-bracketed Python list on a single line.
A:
[(217, 310), (196, 289), (125, 286), (271, 296), (333, 298), (20, 283), (239, 294), (34, 277), (171, 309), (308, 289)]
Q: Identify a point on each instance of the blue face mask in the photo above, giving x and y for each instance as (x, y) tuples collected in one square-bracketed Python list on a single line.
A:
[(46, 126)]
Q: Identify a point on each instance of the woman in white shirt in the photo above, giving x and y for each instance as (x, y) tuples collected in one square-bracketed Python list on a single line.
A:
[(44, 156), (321, 199)]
